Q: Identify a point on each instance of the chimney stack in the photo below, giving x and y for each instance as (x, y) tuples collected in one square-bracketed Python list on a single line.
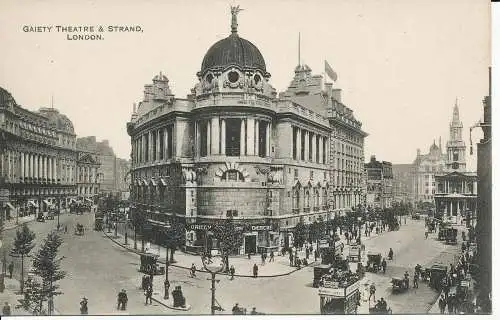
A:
[(336, 94)]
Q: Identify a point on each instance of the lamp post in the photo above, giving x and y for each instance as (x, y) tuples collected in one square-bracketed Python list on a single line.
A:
[(58, 212), (214, 265), (359, 238)]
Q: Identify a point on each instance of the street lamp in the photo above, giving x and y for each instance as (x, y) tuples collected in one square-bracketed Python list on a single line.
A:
[(214, 264)]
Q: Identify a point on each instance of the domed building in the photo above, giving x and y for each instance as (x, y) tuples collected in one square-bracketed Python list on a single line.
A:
[(37, 158), (234, 149), (441, 178)]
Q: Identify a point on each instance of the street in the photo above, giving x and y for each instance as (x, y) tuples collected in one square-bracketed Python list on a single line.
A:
[(98, 269)]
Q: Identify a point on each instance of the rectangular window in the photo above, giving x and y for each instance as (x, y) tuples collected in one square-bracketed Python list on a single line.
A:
[(324, 149), (296, 173), (262, 138), (146, 147), (162, 144), (233, 137), (153, 134), (203, 125), (310, 143), (170, 142), (302, 145)]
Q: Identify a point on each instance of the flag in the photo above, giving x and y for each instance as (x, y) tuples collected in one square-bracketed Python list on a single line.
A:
[(329, 71)]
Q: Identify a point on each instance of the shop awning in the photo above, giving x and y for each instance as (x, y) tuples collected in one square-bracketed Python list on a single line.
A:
[(89, 200), (144, 182), (33, 203), (47, 202), (153, 182), (8, 204), (163, 182)]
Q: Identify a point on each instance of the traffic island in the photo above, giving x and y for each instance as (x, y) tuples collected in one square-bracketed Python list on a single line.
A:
[(170, 304)]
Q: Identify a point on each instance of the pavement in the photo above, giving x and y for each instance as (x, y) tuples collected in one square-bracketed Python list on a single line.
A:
[(12, 223), (243, 266)]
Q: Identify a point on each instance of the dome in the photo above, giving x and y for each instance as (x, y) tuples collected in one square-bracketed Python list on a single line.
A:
[(434, 149), (233, 50), (58, 120), (6, 98)]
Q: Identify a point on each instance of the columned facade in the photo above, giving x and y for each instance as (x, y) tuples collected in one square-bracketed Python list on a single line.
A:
[(34, 143)]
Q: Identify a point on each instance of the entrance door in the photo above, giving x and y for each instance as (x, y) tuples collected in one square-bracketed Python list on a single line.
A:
[(251, 244)]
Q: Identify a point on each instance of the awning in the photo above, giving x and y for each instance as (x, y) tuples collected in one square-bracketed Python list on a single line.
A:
[(163, 182), (33, 203), (47, 202), (144, 182), (89, 200), (153, 182), (72, 200), (10, 205)]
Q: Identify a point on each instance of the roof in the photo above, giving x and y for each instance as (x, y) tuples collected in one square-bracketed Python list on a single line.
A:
[(233, 51)]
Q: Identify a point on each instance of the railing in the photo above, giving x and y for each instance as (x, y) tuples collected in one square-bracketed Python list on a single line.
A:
[(307, 209), (295, 211)]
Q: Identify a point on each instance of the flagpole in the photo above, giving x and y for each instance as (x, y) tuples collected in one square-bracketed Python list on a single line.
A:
[(299, 49)]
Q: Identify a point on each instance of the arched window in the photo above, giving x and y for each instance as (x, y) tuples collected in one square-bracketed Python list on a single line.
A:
[(295, 198), (306, 198), (325, 197), (232, 175), (316, 198)]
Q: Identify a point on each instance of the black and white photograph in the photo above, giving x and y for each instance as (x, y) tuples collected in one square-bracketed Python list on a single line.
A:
[(246, 157)]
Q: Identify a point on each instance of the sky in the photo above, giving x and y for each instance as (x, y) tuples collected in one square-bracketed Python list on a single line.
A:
[(401, 64)]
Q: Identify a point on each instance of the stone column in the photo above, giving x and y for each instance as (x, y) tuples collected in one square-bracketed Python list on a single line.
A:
[(165, 142), (209, 137), (50, 168), (45, 167), (198, 139), (215, 135), (320, 151), (306, 146), (150, 136), (250, 137), (313, 147), (158, 145), (242, 138), (257, 140), (223, 136), (35, 166), (298, 145), (21, 175), (326, 151)]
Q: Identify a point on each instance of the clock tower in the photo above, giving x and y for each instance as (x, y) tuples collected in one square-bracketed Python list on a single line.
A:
[(456, 146)]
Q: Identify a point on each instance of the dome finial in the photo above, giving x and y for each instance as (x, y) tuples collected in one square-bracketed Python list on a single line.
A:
[(234, 22)]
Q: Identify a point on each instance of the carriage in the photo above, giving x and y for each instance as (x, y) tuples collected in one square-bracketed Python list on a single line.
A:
[(374, 262), (79, 230), (399, 284), (149, 264)]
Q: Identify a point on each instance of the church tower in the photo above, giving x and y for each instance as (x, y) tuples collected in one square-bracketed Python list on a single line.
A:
[(456, 146)]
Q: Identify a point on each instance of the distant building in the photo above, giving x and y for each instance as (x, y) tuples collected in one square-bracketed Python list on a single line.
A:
[(112, 170), (38, 158), (425, 167), (456, 193), (88, 167), (379, 193), (402, 182)]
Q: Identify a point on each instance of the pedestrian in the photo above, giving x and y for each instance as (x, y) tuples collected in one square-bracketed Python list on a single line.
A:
[(372, 291), (11, 269), (426, 234), (6, 311), (307, 254), (451, 306), (442, 304), (149, 295), (249, 256), (255, 270), (232, 271), (384, 265), (271, 256), (66, 229), (291, 259), (84, 306), (193, 271), (415, 281), (263, 259), (254, 311), (391, 254)]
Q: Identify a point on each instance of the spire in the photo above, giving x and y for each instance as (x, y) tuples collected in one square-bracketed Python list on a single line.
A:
[(456, 114), (234, 20)]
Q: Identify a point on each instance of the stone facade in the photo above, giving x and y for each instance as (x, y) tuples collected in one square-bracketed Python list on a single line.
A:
[(379, 190), (234, 149), (402, 183), (38, 157)]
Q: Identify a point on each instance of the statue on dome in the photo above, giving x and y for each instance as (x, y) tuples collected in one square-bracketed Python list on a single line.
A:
[(234, 23)]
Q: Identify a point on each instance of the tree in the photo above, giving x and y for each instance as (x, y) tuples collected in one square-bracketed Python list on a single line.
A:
[(175, 237), (31, 297), (300, 234), (23, 244), (47, 267), (230, 239)]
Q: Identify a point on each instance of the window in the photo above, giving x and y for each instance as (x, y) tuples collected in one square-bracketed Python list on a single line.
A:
[(294, 143), (311, 174), (296, 173), (232, 175), (231, 213), (233, 137), (262, 138), (295, 198), (455, 155), (162, 144), (170, 142), (202, 127), (233, 76)]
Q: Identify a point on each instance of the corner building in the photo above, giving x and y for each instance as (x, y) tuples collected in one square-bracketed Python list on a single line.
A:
[(234, 149)]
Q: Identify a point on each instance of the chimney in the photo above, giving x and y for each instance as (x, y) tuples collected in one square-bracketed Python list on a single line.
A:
[(336, 94), (328, 89)]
